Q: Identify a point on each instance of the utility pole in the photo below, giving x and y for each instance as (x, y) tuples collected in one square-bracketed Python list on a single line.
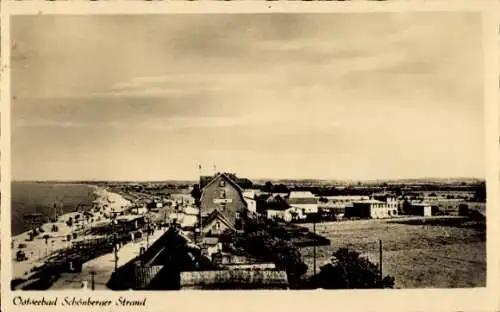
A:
[(114, 243), (93, 279), (314, 245), (148, 230), (380, 258)]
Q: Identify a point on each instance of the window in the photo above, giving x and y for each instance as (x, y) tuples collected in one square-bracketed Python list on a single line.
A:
[(222, 183), (217, 225)]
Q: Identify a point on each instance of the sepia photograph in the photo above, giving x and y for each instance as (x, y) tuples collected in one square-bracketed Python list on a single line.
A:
[(258, 151)]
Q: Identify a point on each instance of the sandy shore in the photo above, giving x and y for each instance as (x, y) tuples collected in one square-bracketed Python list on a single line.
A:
[(39, 249)]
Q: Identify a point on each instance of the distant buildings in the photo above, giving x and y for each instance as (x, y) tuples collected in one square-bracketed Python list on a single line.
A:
[(306, 202), (420, 209), (374, 208), (276, 207)]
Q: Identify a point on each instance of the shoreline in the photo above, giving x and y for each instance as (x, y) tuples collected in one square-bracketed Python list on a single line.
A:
[(42, 207), (40, 249)]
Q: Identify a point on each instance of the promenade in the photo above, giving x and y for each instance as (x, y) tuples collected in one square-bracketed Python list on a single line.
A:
[(104, 266)]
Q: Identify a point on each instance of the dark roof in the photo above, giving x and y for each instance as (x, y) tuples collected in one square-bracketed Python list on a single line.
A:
[(263, 278), (215, 214), (302, 201), (276, 202), (224, 176), (241, 182)]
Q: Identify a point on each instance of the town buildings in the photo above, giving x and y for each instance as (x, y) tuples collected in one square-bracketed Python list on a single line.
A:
[(305, 202), (277, 208), (373, 208), (419, 209)]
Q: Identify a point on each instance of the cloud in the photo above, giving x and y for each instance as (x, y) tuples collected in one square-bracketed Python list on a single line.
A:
[(184, 84), (47, 123)]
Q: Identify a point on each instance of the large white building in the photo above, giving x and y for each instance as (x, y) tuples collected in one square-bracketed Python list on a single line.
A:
[(372, 208), (305, 202)]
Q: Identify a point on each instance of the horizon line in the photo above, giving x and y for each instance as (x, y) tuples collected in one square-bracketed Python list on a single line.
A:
[(255, 179)]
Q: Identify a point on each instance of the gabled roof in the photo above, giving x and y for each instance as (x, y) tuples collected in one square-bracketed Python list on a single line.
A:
[(227, 178), (224, 176), (215, 214)]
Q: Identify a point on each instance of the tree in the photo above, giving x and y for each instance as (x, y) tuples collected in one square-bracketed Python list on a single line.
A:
[(196, 192), (259, 240), (268, 187), (323, 200), (349, 270), (480, 193)]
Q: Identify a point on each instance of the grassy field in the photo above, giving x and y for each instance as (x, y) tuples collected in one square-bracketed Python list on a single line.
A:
[(438, 255)]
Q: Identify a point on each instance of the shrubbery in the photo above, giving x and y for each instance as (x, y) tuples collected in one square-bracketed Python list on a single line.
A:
[(257, 241), (350, 271)]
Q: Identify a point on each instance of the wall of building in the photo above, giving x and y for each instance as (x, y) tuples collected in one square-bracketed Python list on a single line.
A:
[(229, 204), (145, 274), (284, 215), (358, 210), (306, 208), (251, 204), (189, 220), (375, 210)]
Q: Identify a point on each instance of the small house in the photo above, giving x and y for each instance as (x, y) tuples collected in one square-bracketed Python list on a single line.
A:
[(305, 202)]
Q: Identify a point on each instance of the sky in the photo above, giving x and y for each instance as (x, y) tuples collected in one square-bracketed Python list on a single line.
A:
[(326, 96)]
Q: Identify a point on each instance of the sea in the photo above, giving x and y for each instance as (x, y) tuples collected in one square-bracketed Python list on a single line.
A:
[(30, 198)]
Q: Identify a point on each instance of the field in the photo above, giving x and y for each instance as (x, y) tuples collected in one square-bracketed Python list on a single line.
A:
[(441, 254)]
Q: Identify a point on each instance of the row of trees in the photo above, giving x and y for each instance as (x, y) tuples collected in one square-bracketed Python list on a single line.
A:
[(478, 189)]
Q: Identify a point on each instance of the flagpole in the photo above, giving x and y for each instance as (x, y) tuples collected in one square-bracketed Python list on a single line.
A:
[(199, 206)]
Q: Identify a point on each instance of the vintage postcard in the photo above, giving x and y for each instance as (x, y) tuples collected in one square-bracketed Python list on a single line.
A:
[(182, 157)]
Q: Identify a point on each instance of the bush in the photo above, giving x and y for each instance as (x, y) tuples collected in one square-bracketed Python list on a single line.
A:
[(259, 242), (350, 271)]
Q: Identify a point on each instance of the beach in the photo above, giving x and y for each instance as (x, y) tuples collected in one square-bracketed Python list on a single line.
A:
[(48, 243)]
